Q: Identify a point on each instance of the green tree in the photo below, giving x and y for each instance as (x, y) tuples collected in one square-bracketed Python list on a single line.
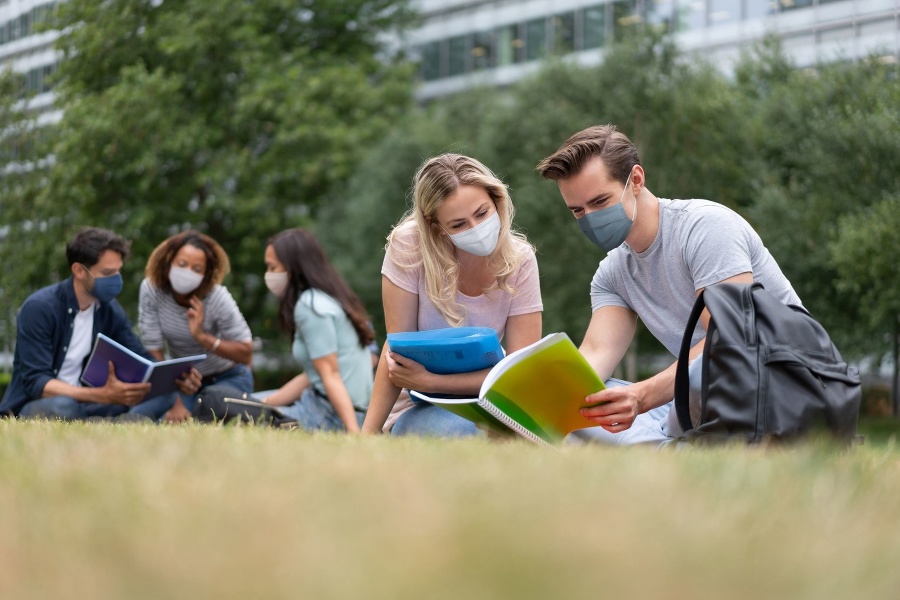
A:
[(230, 117), (826, 142), (22, 229), (683, 115), (864, 253)]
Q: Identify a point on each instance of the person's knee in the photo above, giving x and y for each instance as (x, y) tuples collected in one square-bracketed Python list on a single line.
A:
[(432, 421), (55, 407)]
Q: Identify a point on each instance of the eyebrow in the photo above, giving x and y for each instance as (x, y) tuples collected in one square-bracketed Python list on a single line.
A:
[(603, 196), (463, 220)]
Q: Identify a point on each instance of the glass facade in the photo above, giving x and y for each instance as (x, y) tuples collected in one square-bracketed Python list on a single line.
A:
[(536, 39), (24, 25), (586, 28), (593, 27)]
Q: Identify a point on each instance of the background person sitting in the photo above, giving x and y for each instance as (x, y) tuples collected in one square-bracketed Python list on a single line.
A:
[(56, 329), (185, 310)]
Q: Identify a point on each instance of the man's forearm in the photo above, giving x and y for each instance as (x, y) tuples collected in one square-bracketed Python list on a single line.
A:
[(660, 389), (56, 387)]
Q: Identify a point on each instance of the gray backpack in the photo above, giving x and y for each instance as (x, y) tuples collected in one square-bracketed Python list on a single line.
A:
[(770, 371)]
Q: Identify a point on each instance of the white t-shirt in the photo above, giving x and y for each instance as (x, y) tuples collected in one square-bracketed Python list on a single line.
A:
[(79, 346), (699, 243)]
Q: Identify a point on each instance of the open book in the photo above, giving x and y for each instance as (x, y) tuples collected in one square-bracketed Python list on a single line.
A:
[(134, 368), (536, 392), (449, 350)]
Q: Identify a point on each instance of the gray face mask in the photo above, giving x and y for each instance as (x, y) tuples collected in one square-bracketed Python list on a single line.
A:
[(609, 227)]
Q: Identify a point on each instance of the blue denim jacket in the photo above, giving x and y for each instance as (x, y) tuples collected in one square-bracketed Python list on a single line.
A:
[(43, 331)]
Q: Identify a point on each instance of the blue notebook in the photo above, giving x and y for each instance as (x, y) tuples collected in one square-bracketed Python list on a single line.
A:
[(134, 368), (450, 350)]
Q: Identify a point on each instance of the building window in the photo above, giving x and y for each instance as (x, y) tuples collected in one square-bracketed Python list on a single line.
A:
[(563, 33), (795, 4), (457, 55), (509, 45), (593, 27), (483, 51), (660, 13), (625, 18), (691, 14), (760, 8), (431, 61), (536, 39), (724, 11)]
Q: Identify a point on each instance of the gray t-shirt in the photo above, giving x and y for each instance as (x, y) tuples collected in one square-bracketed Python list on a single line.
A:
[(699, 243), (323, 328)]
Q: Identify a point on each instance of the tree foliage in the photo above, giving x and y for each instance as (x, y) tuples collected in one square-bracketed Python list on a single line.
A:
[(234, 118), (243, 119)]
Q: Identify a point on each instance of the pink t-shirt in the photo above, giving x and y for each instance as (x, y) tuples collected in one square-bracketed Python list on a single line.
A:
[(490, 309)]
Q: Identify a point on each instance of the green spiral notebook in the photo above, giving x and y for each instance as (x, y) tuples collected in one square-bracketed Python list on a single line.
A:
[(535, 392)]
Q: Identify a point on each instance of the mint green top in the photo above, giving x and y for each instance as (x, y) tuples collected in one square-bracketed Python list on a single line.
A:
[(323, 328)]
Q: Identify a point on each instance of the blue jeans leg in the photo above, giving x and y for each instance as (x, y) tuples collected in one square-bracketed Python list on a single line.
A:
[(238, 377), (155, 408), (425, 419), (68, 409)]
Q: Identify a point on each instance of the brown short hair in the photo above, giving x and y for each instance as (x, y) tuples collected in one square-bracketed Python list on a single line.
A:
[(616, 151), (217, 263), (91, 242)]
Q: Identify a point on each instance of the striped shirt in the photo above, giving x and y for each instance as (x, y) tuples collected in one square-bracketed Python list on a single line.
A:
[(163, 323)]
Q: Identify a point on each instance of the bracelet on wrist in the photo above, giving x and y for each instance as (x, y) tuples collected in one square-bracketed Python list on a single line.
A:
[(215, 344)]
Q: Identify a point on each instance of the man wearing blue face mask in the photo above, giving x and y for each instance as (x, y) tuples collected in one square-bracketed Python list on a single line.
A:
[(56, 328), (660, 254)]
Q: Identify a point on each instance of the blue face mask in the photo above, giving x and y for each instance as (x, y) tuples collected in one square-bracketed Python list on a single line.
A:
[(609, 227), (105, 289)]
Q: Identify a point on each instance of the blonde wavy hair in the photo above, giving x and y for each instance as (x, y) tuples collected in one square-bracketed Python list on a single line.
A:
[(436, 180)]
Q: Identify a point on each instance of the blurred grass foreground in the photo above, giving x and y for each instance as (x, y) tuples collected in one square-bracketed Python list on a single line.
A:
[(134, 511)]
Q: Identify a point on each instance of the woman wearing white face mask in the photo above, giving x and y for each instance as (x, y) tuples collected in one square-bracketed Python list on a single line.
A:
[(185, 310), (453, 260), (331, 333)]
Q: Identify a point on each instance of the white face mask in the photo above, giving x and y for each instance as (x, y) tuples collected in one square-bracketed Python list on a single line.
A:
[(184, 280), (276, 282), (481, 240)]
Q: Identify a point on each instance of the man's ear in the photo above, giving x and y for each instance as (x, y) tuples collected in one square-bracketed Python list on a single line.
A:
[(637, 179)]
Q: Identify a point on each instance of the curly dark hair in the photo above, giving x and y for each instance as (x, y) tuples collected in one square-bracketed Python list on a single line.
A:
[(160, 261)]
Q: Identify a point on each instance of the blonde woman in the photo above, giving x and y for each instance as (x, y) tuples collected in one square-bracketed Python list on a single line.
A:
[(453, 260)]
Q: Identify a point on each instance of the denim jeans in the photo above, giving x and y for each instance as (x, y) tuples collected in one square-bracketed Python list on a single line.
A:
[(312, 411), (425, 419), (239, 377), (69, 409)]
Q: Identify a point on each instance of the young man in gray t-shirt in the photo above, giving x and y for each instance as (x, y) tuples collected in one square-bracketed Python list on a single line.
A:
[(660, 255)]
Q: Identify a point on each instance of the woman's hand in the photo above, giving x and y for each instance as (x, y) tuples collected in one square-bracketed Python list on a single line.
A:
[(407, 373), (178, 413), (195, 319), (190, 382)]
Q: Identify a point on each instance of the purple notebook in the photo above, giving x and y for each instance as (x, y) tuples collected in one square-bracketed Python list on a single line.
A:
[(134, 368)]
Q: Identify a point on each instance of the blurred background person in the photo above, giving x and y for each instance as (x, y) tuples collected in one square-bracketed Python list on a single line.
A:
[(185, 310)]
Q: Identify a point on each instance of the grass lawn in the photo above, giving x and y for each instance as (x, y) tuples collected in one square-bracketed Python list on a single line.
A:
[(136, 511)]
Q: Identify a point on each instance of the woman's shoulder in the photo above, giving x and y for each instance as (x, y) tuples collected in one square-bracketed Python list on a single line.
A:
[(318, 301), (523, 247), (403, 247), (150, 290)]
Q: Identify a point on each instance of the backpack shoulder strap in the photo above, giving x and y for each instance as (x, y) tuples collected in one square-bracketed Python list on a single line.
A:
[(682, 408), (736, 298)]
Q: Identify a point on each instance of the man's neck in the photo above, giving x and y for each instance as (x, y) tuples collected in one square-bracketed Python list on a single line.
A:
[(646, 224), (85, 299)]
